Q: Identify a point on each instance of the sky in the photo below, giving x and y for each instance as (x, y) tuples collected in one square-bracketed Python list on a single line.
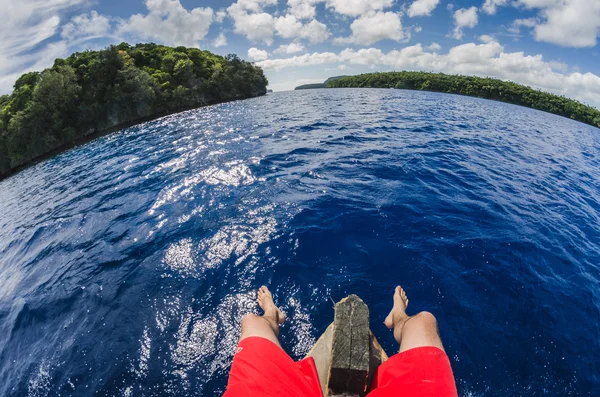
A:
[(547, 44)]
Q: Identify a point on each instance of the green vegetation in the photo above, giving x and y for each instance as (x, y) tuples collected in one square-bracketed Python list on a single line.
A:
[(475, 86), (96, 91), (318, 85), (310, 86)]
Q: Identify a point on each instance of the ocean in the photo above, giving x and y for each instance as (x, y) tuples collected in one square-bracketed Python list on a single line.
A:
[(127, 263)]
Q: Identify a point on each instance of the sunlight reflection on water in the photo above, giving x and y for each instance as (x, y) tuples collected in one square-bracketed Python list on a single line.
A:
[(127, 263)]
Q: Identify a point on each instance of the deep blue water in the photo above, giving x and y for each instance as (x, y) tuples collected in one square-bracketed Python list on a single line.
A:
[(127, 263)]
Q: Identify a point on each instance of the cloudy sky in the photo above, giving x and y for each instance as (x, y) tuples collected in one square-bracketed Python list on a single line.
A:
[(547, 44)]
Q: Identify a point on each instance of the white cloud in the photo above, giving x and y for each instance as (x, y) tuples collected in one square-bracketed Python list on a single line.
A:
[(315, 32), (256, 27), (373, 27), (515, 27), (569, 23), (220, 16), (422, 7), (303, 9), (291, 48), (317, 58), (23, 38), (289, 27), (39, 60), (220, 41), (255, 6), (529, 22), (86, 26), (355, 8), (464, 18), (490, 6), (257, 55), (434, 47), (170, 23), (418, 29), (488, 59), (561, 66), (486, 38), (250, 20), (364, 56)]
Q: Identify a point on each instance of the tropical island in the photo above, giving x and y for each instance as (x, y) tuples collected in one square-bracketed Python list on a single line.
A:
[(487, 88), (96, 92), (317, 85)]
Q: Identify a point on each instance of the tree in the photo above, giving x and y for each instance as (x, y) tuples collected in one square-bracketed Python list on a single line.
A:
[(475, 86), (97, 90), (48, 119), (133, 95)]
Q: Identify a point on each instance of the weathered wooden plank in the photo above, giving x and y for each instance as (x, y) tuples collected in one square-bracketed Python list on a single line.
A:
[(349, 376), (351, 348)]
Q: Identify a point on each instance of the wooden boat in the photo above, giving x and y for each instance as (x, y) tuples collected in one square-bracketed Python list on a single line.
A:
[(347, 354)]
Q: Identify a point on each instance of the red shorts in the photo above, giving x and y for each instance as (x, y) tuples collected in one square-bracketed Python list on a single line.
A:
[(419, 372), (261, 368)]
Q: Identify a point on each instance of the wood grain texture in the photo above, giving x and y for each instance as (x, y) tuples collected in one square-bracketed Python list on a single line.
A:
[(347, 354), (351, 348)]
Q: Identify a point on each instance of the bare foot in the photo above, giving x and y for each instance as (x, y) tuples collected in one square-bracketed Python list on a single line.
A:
[(265, 301), (398, 313)]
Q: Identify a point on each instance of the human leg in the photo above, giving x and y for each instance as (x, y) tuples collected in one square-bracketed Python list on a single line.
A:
[(267, 325), (421, 368), (261, 367), (412, 331)]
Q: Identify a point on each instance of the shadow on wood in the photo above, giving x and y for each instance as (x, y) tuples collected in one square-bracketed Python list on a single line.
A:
[(348, 353)]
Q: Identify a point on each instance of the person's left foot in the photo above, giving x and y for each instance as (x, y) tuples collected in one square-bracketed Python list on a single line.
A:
[(265, 301)]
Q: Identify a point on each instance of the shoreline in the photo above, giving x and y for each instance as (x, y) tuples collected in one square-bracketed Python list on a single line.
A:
[(98, 134), (467, 96), (477, 87)]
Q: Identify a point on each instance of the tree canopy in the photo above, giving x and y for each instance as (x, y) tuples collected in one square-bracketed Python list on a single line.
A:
[(487, 88), (96, 91)]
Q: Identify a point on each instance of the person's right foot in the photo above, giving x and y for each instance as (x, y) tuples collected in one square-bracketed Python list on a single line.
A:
[(265, 301), (398, 312)]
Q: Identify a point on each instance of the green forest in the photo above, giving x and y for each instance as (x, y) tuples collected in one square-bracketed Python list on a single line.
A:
[(487, 88), (95, 91)]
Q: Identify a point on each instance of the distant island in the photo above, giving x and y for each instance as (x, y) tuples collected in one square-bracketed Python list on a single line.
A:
[(487, 88), (95, 92), (318, 85)]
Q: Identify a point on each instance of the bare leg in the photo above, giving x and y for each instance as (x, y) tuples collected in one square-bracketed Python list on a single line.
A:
[(267, 325), (411, 332)]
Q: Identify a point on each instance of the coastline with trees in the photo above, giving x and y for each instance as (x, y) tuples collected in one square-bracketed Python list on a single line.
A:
[(92, 93), (95, 92), (487, 88)]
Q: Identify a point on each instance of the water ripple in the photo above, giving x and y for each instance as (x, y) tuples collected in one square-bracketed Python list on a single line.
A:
[(127, 263)]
